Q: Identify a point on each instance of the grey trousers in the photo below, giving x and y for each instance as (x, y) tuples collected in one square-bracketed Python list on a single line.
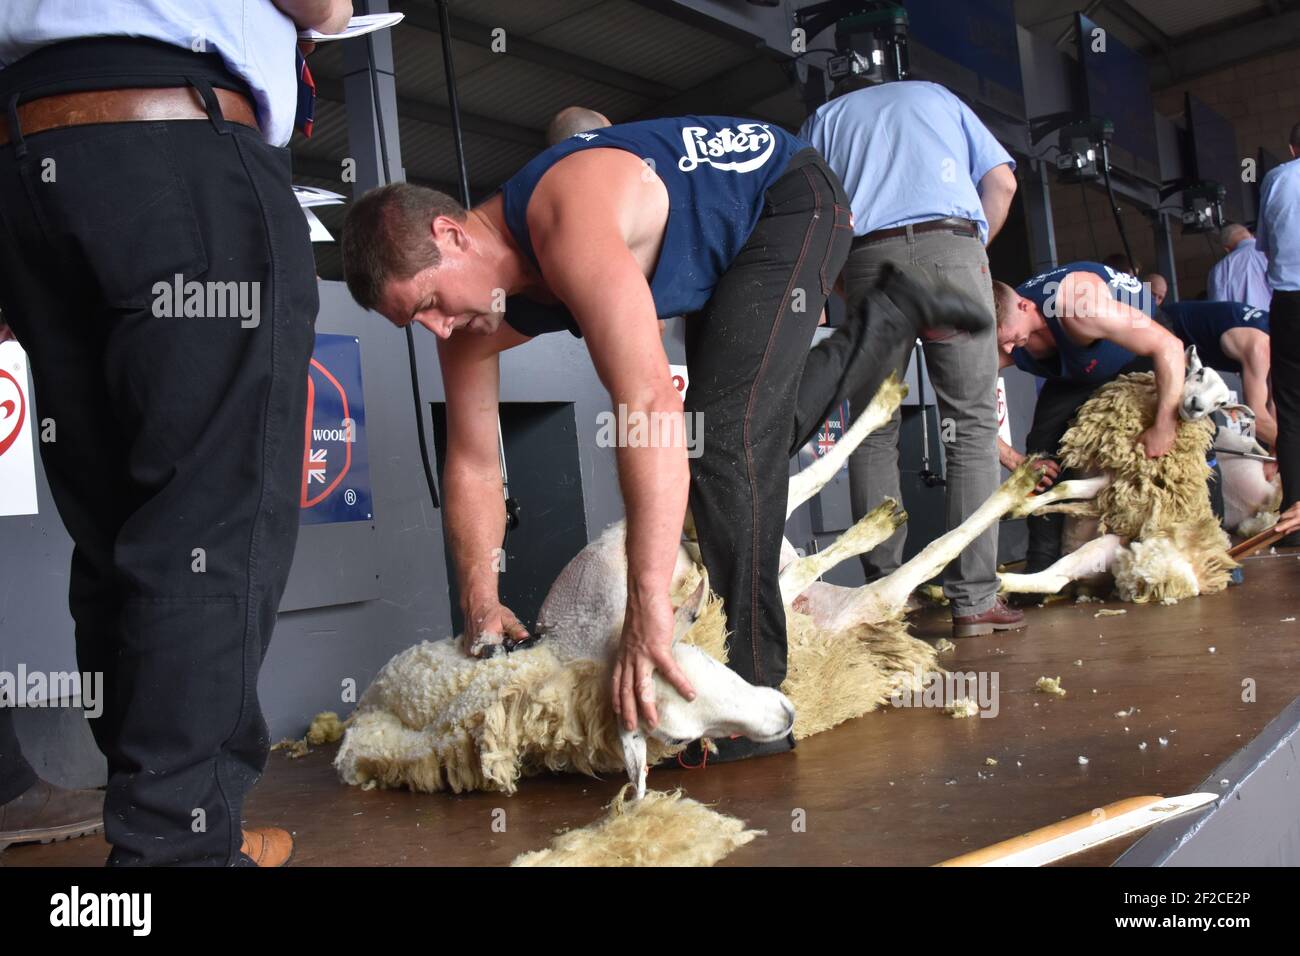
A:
[(963, 370)]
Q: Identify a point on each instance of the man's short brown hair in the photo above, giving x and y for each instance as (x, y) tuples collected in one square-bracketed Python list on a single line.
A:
[(387, 235), (1004, 300)]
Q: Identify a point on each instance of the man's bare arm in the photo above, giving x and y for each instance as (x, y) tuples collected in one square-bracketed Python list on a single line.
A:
[(1090, 312), (1250, 347), (474, 509), (324, 16), (997, 188), (584, 255)]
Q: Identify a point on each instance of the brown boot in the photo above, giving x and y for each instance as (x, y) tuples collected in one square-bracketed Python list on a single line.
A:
[(997, 618), (44, 813), (267, 846)]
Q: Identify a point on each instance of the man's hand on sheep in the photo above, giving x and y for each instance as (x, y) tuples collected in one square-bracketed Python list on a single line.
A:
[(1289, 520), (487, 625), (1048, 470), (646, 647), (1158, 439)]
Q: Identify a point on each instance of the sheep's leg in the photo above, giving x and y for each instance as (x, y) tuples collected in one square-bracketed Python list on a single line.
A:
[(874, 527), (1095, 557), (1073, 509), (882, 599), (813, 478), (1065, 490), (634, 759)]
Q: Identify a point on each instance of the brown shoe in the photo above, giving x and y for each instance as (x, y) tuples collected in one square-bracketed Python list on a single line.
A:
[(267, 846), (44, 813), (997, 618)]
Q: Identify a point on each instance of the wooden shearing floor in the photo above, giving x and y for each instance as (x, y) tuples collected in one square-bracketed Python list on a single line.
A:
[(900, 786)]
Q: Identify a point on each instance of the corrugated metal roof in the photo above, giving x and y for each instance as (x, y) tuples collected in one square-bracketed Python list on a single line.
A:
[(517, 17), (1177, 18), (630, 37), (526, 94)]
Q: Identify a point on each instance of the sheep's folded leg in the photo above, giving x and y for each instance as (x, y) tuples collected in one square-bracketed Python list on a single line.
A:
[(874, 527), (1095, 557), (878, 411), (1064, 491)]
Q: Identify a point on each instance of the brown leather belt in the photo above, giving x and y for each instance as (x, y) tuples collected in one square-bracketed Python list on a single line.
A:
[(958, 227), (146, 105)]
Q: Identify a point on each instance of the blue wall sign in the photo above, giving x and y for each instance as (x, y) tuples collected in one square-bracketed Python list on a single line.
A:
[(336, 466)]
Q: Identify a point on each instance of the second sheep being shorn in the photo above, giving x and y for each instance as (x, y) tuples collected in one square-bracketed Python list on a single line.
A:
[(1160, 539)]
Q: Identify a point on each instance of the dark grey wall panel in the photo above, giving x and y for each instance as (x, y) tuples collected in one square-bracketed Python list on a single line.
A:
[(1256, 820)]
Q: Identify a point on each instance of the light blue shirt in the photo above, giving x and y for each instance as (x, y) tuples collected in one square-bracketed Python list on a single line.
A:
[(1241, 276), (906, 152), (256, 41), (1278, 234)]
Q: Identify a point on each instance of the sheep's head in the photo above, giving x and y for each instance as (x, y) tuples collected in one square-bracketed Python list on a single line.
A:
[(1204, 390), (725, 704)]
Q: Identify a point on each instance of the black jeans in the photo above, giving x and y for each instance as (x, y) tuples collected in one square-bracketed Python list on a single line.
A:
[(1284, 349), (746, 351), (1057, 403), (16, 774), (177, 455)]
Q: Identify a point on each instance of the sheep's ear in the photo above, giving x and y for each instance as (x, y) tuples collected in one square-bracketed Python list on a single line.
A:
[(1193, 360), (687, 614)]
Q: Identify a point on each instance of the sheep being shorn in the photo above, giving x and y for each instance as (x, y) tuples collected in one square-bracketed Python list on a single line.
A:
[(1160, 538), (434, 719), (1250, 501)]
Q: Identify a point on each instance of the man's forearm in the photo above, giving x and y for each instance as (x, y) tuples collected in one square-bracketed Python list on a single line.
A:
[(996, 191), (326, 16), (996, 207), (475, 516), (1256, 388), (655, 481), (1008, 456), (1169, 364)]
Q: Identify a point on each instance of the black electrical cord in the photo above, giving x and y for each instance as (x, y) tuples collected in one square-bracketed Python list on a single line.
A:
[(385, 177), (929, 478), (453, 101), (1087, 215), (1114, 206)]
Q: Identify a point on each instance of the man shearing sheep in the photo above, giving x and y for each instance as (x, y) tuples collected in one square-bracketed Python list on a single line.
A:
[(1078, 327), (734, 223), (1231, 337)]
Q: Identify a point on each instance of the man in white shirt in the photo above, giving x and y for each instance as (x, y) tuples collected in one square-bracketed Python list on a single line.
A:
[(141, 152)]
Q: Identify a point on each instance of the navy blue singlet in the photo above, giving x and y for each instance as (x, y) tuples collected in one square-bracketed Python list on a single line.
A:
[(716, 170), (1098, 362), (1202, 323)]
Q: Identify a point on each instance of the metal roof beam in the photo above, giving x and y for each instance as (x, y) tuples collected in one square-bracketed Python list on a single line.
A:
[(1227, 46), (479, 34), (331, 88), (330, 170), (728, 93)]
